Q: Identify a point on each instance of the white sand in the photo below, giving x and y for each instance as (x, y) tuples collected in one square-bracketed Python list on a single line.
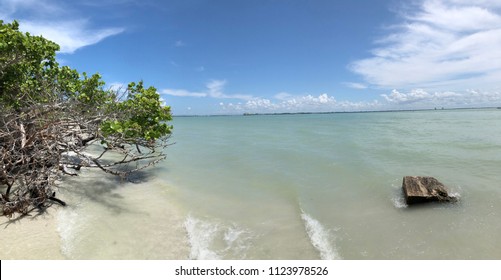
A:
[(31, 237), (105, 219)]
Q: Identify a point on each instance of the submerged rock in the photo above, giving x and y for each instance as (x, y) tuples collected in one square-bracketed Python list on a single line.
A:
[(419, 189)]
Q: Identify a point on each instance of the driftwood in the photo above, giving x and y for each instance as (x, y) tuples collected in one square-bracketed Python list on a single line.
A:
[(419, 189)]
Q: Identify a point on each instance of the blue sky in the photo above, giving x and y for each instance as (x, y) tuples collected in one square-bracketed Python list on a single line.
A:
[(236, 56)]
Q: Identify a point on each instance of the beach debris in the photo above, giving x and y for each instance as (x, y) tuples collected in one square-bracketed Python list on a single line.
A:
[(420, 189)]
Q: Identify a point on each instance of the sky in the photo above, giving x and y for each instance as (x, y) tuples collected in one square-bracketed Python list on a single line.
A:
[(273, 56)]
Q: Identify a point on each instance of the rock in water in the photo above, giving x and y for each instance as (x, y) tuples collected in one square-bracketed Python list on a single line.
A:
[(419, 189)]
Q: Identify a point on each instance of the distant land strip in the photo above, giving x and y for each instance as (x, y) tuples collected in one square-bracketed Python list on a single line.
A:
[(341, 112)]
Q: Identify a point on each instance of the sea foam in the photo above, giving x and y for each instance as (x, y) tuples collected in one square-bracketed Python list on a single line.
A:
[(201, 235), (210, 240), (320, 238), (397, 197), (399, 202)]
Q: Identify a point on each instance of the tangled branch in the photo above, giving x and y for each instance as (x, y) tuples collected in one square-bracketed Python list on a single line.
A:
[(43, 143), (54, 121)]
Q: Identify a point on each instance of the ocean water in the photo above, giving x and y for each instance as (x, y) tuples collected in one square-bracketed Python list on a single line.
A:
[(317, 186)]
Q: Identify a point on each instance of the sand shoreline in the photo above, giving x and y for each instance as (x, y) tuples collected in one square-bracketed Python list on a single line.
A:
[(102, 220), (33, 237)]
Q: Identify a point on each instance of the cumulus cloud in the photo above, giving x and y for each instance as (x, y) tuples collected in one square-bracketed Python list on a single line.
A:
[(288, 103), (446, 44), (54, 22), (412, 99), (280, 102)]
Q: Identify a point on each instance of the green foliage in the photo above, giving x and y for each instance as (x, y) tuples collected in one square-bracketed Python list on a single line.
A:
[(30, 74), (27, 66), (144, 116), (50, 115)]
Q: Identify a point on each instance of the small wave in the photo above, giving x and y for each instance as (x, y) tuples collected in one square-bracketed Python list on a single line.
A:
[(399, 202), (455, 195), (231, 235), (237, 241), (319, 237), (201, 234), (456, 192), (397, 197), (214, 240)]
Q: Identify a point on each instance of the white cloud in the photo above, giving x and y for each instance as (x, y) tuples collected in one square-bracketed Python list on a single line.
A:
[(488, 3), (457, 16), (214, 89), (292, 104), (55, 22), (183, 93), (38, 8), (446, 45), (355, 85), (283, 101), (413, 99), (69, 35), (422, 98)]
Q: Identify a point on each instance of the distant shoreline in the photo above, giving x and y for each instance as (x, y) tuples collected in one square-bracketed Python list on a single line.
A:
[(341, 112)]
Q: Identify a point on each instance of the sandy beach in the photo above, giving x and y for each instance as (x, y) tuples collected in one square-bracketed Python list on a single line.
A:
[(104, 219), (31, 237)]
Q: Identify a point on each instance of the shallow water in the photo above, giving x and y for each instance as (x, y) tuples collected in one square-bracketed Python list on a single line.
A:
[(298, 187), (109, 219)]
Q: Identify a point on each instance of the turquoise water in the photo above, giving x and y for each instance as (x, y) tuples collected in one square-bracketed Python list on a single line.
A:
[(320, 186)]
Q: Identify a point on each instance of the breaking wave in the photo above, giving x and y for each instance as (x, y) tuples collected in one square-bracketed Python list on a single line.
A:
[(320, 237), (201, 235), (399, 201), (214, 240), (397, 197)]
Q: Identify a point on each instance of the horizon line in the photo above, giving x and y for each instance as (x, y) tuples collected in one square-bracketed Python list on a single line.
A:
[(336, 112)]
